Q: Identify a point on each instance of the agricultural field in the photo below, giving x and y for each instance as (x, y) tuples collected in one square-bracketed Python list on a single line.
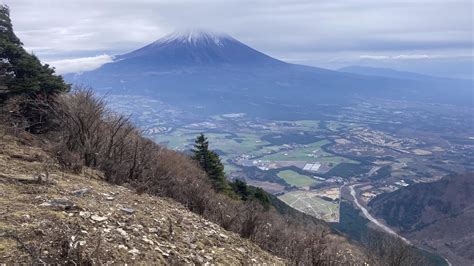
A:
[(306, 153), (178, 139), (293, 178), (228, 145), (312, 204)]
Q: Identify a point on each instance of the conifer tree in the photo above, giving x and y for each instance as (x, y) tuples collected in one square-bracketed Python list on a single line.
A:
[(246, 193), (26, 81), (210, 163), (241, 189), (20, 72)]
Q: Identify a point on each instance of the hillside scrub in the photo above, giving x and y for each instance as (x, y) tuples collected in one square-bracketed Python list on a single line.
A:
[(79, 219), (110, 143), (89, 135)]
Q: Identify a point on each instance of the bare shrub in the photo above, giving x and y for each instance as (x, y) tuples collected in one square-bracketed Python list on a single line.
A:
[(82, 125), (11, 116), (67, 159)]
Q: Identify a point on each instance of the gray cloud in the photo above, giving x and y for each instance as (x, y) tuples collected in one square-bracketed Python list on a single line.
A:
[(309, 31)]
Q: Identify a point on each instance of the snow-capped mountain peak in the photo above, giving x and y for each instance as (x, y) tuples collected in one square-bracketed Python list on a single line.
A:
[(194, 37), (196, 47)]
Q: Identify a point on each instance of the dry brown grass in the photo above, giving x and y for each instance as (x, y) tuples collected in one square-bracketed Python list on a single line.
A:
[(33, 233)]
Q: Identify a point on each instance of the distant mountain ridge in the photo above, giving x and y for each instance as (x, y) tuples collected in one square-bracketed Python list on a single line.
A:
[(385, 72), (214, 73)]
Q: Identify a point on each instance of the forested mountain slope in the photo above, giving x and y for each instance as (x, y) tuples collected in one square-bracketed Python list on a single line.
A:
[(439, 215)]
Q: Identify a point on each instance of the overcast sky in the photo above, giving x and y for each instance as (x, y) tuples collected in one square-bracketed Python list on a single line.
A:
[(428, 36)]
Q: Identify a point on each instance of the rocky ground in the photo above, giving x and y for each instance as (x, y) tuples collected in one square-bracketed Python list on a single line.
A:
[(53, 216)]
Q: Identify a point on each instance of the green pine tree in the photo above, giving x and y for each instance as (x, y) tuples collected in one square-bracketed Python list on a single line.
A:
[(241, 189), (23, 76), (246, 193), (20, 72), (261, 196), (210, 163)]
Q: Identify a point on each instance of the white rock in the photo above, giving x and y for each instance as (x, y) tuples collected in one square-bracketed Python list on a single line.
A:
[(166, 254), (148, 241), (134, 251), (84, 214), (98, 218), (152, 230), (241, 250), (122, 232)]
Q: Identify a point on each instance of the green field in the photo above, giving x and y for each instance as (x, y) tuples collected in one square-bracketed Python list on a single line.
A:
[(307, 153), (179, 139), (293, 178), (235, 145), (231, 145), (304, 125), (309, 203)]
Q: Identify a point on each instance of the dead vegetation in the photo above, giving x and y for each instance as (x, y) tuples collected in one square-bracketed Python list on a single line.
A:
[(80, 219)]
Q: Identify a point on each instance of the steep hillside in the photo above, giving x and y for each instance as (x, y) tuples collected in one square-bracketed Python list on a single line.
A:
[(78, 217), (439, 215)]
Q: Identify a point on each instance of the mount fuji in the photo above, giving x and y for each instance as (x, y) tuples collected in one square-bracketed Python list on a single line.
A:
[(211, 73), (197, 48)]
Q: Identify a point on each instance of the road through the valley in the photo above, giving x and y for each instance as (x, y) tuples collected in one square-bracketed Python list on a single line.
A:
[(377, 223), (371, 218)]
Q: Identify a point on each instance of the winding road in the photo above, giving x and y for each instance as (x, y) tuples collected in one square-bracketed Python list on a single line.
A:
[(372, 219), (379, 224)]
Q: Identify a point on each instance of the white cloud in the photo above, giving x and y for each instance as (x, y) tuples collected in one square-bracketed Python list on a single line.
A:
[(80, 64), (374, 57), (414, 56)]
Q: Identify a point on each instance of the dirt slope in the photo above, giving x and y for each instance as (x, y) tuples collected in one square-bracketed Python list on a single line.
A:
[(79, 217)]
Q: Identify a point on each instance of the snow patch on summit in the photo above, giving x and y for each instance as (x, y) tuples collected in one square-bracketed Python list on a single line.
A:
[(195, 37)]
